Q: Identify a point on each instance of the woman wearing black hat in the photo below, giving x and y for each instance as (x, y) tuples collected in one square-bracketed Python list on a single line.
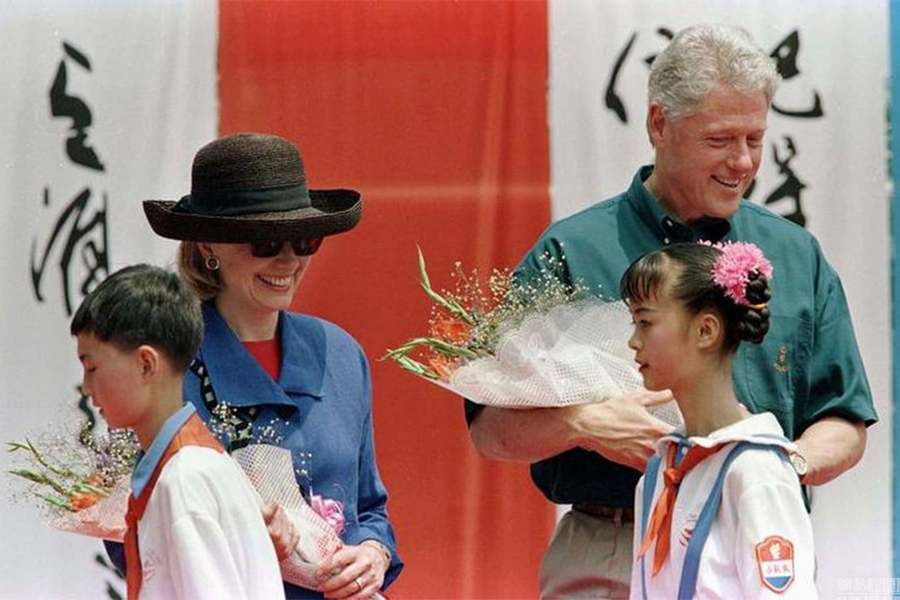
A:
[(248, 230)]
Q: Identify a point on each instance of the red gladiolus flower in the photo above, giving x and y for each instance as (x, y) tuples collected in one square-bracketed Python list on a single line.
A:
[(451, 329), (80, 500), (442, 365)]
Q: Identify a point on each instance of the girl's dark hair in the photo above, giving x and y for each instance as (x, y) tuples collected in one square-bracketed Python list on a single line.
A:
[(143, 304), (685, 270)]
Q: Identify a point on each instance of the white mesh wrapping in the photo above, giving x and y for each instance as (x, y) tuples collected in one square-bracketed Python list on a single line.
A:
[(271, 471), (105, 519), (573, 354)]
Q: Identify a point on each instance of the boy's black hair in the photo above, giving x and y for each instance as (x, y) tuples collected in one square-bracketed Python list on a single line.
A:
[(143, 304), (685, 271)]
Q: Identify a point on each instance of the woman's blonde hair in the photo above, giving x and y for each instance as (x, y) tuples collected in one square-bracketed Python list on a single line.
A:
[(192, 268)]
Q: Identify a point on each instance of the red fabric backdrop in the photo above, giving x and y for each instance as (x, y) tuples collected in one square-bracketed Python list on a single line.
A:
[(437, 112)]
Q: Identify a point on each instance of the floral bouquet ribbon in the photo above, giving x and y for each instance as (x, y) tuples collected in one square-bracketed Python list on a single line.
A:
[(530, 345)]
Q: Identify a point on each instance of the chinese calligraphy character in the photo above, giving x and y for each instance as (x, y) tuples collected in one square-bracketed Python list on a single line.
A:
[(84, 233), (111, 592), (664, 32), (62, 104), (791, 186), (785, 55), (611, 97)]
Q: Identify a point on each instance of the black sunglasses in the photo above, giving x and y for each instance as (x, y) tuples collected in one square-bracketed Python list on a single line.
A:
[(270, 249)]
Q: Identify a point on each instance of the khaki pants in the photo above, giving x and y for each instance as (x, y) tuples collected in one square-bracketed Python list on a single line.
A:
[(589, 557)]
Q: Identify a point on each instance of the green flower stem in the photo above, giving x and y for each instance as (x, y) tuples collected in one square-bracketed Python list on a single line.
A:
[(415, 367), (41, 479), (57, 502), (450, 304), (435, 344), (91, 489), (13, 446)]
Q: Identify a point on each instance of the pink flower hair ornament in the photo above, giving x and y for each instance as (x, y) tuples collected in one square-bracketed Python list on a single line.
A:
[(732, 269)]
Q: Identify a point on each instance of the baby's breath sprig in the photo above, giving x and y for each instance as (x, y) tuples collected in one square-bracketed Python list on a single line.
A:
[(467, 323), (446, 301)]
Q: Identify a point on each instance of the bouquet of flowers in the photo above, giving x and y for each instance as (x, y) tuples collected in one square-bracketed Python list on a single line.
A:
[(526, 344), (83, 486), (319, 521)]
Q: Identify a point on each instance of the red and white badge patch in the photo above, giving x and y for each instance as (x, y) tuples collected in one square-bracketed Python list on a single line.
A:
[(775, 556)]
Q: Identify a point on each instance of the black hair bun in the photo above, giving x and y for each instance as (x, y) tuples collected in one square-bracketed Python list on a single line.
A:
[(754, 320)]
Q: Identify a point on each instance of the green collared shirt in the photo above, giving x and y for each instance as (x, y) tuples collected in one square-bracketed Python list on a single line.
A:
[(807, 367)]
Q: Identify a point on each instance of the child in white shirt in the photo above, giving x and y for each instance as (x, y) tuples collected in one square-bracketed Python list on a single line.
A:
[(195, 528), (719, 511)]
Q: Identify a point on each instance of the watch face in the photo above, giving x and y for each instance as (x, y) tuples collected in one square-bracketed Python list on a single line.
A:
[(799, 464)]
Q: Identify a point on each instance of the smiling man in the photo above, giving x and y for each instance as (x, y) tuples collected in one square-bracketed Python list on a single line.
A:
[(709, 96)]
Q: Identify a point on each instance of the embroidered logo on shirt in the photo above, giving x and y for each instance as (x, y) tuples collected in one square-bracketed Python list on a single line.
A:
[(688, 530), (781, 363), (149, 564), (775, 557)]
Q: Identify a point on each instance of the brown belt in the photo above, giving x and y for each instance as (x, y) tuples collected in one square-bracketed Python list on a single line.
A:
[(616, 514)]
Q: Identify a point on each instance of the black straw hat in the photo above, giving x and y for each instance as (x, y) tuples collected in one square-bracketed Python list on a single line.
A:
[(251, 187)]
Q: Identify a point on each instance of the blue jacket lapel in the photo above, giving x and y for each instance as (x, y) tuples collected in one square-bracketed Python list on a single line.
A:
[(241, 381)]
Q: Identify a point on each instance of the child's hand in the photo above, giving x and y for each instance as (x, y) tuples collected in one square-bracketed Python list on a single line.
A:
[(283, 533)]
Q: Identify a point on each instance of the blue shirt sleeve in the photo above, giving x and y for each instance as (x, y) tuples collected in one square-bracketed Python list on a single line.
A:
[(372, 499)]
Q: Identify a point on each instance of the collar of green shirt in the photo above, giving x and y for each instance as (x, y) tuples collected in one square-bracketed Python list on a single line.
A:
[(667, 226)]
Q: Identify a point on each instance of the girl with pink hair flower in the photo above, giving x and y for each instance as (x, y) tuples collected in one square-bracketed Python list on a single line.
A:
[(719, 511)]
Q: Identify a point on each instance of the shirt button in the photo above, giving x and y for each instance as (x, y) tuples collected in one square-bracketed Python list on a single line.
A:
[(665, 240)]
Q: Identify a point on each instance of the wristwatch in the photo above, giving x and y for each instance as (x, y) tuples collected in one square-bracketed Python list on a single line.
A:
[(799, 463)]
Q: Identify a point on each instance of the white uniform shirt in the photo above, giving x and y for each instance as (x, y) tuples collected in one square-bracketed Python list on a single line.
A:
[(202, 534), (760, 544)]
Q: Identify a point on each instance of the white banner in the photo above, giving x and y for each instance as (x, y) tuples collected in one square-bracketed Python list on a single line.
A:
[(824, 165), (103, 105)]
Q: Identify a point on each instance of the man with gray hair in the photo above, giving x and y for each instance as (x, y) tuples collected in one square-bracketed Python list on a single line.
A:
[(709, 94)]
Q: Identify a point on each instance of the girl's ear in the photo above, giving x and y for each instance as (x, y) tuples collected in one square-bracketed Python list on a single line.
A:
[(709, 330)]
